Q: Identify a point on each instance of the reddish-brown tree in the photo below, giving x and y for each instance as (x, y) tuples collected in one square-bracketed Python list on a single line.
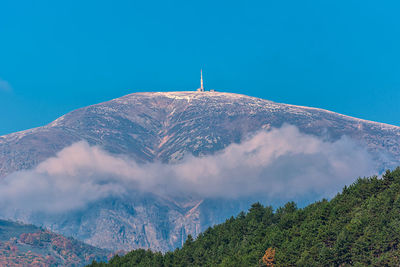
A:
[(269, 257)]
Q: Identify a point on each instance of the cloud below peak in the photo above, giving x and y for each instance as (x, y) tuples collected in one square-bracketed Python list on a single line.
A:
[(277, 164)]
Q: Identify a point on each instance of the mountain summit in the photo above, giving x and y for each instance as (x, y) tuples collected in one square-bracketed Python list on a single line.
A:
[(166, 127)]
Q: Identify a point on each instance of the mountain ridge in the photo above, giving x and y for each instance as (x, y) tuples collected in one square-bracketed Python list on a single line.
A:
[(171, 93), (161, 121)]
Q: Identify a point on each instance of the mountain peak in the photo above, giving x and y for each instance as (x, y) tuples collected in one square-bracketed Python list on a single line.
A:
[(165, 126), (190, 95)]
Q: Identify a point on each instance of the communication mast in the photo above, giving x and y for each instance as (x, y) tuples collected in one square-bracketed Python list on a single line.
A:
[(201, 89)]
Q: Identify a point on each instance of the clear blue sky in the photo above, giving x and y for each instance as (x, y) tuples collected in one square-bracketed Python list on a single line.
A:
[(56, 56)]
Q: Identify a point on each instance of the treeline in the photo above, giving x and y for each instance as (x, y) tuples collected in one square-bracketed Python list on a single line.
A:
[(358, 227)]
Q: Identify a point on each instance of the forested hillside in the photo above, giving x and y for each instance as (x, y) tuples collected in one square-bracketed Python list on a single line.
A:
[(28, 245), (358, 227)]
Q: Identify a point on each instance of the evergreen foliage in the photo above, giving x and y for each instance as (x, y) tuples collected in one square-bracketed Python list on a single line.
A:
[(358, 227)]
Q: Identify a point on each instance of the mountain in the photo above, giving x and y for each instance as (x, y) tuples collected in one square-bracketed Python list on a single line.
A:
[(167, 127), (28, 245), (359, 227)]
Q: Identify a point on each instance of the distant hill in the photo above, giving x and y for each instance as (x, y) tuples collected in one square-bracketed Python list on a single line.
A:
[(28, 245), (165, 127), (359, 227)]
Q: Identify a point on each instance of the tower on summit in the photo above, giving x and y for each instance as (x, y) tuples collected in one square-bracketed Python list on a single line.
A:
[(201, 89)]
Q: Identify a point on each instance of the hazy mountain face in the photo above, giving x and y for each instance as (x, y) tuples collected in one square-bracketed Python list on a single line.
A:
[(154, 167)]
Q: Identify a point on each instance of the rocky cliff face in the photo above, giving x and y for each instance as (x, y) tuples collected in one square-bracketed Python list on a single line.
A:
[(165, 127)]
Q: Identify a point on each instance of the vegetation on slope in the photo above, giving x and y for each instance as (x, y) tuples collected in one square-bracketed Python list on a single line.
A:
[(28, 245), (358, 227)]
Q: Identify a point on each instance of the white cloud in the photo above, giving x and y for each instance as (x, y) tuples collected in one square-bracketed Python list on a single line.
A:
[(5, 86), (278, 164)]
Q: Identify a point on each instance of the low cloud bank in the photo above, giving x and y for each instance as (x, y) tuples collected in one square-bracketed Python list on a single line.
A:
[(279, 164)]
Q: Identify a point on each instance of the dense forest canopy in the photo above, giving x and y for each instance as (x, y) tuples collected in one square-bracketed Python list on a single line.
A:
[(358, 227)]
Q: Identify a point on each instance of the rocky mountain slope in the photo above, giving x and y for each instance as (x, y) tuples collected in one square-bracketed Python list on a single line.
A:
[(151, 127), (28, 245), (165, 126)]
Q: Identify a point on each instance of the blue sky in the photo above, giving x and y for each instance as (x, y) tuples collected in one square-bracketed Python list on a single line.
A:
[(56, 56)]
